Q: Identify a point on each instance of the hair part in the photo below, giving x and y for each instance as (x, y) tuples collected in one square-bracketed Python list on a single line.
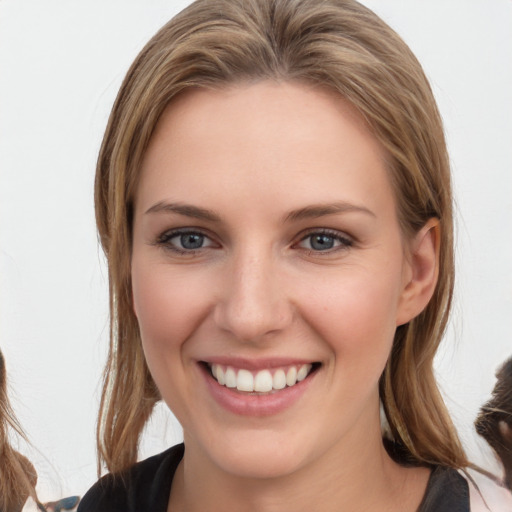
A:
[(338, 44)]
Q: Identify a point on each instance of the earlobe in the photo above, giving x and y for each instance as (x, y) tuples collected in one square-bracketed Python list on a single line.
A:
[(423, 272)]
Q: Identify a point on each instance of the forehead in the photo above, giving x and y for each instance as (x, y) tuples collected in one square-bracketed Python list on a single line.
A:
[(257, 138), (272, 106)]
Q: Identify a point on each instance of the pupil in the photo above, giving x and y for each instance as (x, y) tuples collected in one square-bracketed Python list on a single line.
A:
[(322, 242), (192, 241)]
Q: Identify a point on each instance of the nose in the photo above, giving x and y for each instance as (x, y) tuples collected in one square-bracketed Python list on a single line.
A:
[(254, 304)]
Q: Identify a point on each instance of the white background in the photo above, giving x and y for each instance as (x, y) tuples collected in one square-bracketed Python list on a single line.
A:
[(61, 63)]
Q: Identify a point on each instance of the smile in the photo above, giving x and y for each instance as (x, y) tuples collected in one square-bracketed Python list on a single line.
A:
[(262, 381)]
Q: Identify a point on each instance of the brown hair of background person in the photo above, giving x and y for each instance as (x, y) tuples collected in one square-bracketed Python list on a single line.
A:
[(17, 474), (494, 423)]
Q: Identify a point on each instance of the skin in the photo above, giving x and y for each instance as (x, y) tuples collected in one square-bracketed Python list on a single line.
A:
[(251, 154)]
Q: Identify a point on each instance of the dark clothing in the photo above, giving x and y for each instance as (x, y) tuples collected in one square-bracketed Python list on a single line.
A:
[(146, 487), (143, 488), (447, 491)]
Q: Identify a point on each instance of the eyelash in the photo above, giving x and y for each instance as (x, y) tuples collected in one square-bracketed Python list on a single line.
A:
[(344, 241), (164, 240)]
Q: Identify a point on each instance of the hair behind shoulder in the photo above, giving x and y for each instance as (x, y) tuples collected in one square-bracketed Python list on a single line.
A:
[(338, 44)]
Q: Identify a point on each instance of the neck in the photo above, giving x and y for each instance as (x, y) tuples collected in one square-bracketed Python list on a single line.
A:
[(351, 476)]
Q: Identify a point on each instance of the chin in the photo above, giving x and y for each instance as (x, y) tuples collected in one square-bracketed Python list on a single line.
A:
[(257, 463), (257, 455)]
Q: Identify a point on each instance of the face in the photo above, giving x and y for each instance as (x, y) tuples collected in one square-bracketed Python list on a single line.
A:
[(268, 274)]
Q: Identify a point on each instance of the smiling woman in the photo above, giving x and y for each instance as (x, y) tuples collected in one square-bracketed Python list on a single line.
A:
[(263, 287), (273, 197)]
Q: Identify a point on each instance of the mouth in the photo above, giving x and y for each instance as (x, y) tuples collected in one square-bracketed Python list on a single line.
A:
[(260, 382)]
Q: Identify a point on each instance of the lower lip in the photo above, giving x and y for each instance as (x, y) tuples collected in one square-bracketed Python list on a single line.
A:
[(245, 404)]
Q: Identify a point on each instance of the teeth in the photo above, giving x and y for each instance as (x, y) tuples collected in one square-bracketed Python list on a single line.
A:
[(279, 380), (245, 381), (291, 376), (303, 372), (230, 377), (218, 374), (262, 381)]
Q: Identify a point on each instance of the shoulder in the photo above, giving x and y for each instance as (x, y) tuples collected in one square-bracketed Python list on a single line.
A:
[(144, 486), (447, 491), (486, 495)]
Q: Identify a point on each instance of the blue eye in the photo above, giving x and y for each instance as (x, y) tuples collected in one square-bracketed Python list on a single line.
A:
[(184, 241), (191, 241), (321, 242), (324, 242)]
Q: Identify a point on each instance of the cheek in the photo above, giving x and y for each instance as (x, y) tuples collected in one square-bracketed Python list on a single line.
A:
[(355, 314), (168, 305)]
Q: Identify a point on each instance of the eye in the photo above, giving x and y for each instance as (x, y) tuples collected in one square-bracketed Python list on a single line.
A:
[(324, 241), (185, 241), (190, 240)]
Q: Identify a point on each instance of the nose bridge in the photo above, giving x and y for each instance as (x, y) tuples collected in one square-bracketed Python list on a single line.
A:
[(254, 303)]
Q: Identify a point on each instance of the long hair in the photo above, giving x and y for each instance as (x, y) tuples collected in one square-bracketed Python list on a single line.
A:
[(17, 475), (338, 44)]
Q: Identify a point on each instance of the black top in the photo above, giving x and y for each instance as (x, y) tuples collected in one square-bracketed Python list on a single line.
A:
[(147, 485)]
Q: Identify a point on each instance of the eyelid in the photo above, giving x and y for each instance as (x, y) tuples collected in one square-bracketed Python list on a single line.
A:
[(346, 241), (163, 240)]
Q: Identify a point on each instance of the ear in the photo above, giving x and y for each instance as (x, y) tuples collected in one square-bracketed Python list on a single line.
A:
[(421, 273), (505, 431)]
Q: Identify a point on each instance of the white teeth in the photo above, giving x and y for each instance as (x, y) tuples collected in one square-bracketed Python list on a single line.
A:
[(219, 374), (262, 381), (230, 377), (291, 376), (279, 380), (245, 381), (303, 372)]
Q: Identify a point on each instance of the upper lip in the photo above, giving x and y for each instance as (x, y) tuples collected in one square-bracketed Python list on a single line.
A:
[(257, 364)]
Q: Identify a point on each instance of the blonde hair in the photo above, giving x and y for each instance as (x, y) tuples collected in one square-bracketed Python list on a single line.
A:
[(17, 475), (338, 44)]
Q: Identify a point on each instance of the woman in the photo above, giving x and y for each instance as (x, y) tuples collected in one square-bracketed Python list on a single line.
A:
[(273, 197)]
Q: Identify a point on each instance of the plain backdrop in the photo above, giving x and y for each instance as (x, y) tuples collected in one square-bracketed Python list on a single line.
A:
[(61, 64)]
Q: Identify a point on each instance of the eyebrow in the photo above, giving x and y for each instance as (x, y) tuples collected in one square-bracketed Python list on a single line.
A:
[(321, 210), (184, 209), (308, 212)]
